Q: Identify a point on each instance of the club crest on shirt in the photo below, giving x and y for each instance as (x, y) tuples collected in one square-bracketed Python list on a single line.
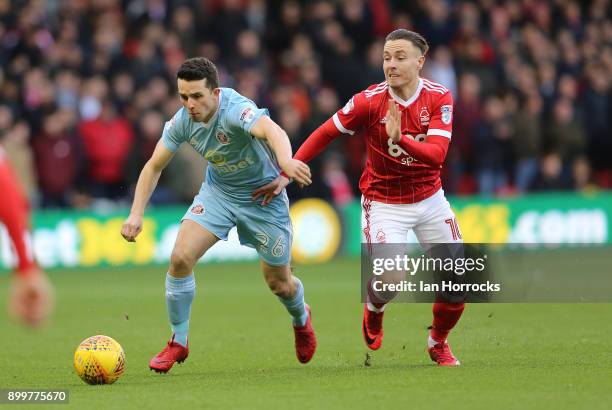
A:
[(447, 113), (197, 209), (247, 115), (349, 106), (380, 236), (424, 116), (222, 138)]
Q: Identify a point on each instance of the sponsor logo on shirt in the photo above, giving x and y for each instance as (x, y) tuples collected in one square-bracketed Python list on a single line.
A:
[(214, 157), (396, 151), (235, 166), (447, 113), (221, 165), (247, 115)]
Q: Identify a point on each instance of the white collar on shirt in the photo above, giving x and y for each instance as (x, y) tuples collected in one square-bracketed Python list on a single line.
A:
[(410, 100)]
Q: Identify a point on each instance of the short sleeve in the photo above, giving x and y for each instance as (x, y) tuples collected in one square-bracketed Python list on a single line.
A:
[(353, 115), (441, 122), (244, 114), (173, 134)]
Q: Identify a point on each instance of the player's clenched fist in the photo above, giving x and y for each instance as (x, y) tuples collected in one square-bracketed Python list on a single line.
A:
[(297, 170), (131, 227)]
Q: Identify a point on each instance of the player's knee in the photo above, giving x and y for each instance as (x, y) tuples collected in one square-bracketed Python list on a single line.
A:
[(181, 262)]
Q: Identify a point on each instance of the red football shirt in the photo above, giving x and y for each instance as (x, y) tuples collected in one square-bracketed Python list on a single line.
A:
[(391, 175)]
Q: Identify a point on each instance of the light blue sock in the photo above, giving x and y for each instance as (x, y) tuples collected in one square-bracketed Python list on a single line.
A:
[(179, 295), (296, 306)]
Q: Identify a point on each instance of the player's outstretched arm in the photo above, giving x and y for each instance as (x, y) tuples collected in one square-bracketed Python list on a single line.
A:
[(314, 144), (317, 141), (270, 131), (147, 181)]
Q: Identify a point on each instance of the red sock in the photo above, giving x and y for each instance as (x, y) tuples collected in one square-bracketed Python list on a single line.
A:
[(446, 316)]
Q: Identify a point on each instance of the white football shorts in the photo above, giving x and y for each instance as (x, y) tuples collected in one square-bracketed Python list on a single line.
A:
[(432, 220)]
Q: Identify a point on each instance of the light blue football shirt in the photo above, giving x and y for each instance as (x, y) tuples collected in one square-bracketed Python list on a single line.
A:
[(238, 163)]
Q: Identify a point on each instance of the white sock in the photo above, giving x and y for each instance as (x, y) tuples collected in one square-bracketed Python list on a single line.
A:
[(431, 342), (374, 309)]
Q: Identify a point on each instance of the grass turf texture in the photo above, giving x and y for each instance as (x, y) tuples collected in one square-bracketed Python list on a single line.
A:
[(514, 356)]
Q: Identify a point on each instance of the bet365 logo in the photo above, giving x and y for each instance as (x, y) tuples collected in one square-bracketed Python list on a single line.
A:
[(219, 161), (395, 150)]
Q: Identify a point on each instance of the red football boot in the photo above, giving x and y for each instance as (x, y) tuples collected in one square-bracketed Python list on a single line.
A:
[(372, 328), (173, 352), (305, 340), (441, 354)]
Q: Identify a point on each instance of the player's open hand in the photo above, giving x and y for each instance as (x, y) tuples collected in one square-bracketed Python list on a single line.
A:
[(393, 125), (32, 299), (131, 227), (269, 191), (297, 170)]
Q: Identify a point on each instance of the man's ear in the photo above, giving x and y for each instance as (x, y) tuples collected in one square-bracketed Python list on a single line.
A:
[(216, 92), (421, 62)]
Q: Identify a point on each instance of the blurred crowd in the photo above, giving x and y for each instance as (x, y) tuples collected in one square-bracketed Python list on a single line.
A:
[(86, 86)]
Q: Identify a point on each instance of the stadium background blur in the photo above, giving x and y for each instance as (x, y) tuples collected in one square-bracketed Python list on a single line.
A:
[(85, 89), (86, 86)]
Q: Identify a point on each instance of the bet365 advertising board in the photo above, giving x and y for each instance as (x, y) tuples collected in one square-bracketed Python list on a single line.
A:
[(86, 239)]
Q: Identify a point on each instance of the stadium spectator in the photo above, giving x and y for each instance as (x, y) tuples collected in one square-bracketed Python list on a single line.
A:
[(73, 56), (597, 113), (582, 176), (19, 154), (440, 69), (467, 117), (565, 136), (552, 176), (57, 155), (491, 138), (527, 141), (107, 141)]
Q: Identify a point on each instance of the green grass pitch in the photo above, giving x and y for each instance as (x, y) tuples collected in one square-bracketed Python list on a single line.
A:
[(522, 356)]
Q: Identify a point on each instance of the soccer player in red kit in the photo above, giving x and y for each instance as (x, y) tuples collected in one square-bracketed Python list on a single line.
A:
[(31, 293), (407, 123)]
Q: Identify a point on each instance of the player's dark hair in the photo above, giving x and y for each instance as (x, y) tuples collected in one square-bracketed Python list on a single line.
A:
[(415, 38), (199, 68)]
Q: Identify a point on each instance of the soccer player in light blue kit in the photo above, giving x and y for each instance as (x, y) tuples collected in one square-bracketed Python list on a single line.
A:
[(245, 150)]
